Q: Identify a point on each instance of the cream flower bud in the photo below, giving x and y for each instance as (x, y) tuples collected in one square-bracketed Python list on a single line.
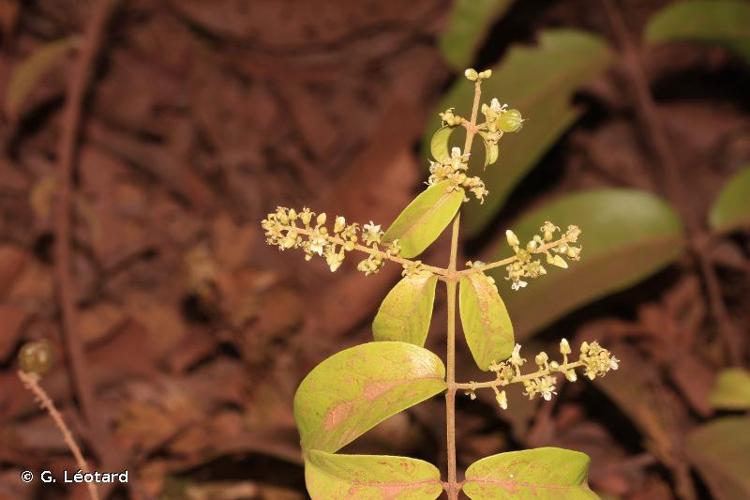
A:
[(471, 74), (321, 219), (306, 216), (502, 400), (512, 238), (541, 358), (556, 260), (564, 347), (339, 225)]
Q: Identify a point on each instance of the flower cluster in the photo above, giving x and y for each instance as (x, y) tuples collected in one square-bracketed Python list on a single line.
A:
[(595, 360), (286, 228), (526, 266), (454, 171), (450, 119)]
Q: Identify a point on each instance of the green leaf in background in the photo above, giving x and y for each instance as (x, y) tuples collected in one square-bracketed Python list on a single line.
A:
[(567, 59), (731, 390), (539, 474), (28, 73), (731, 210), (725, 23), (439, 144), (352, 391), (406, 311), (638, 391), (425, 218), (720, 451), (334, 477), (468, 25), (484, 320), (627, 236)]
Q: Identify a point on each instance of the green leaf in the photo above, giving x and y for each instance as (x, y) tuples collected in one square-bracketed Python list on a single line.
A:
[(333, 477), (731, 390), (539, 474), (406, 311), (719, 450), (352, 391), (439, 144), (725, 23), (28, 73), (637, 389), (627, 236), (540, 82), (468, 25), (484, 320), (731, 210), (425, 218)]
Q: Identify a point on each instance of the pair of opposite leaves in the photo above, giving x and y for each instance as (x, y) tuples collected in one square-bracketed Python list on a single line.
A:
[(354, 390), (406, 311)]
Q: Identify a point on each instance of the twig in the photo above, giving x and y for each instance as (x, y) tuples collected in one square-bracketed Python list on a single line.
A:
[(31, 382), (673, 182), (453, 486), (77, 90), (450, 362)]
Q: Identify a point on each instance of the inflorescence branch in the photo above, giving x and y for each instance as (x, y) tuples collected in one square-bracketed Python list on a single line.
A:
[(306, 230), (593, 358)]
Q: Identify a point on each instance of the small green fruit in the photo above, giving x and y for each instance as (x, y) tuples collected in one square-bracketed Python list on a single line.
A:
[(36, 357), (510, 121)]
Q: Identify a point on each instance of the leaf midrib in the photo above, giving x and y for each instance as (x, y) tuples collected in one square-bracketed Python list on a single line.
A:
[(431, 209)]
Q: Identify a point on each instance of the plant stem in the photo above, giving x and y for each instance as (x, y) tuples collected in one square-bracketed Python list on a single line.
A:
[(450, 395), (31, 382), (77, 89), (453, 486)]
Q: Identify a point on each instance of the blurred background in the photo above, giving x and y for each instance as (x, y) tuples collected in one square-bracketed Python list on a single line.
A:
[(144, 140)]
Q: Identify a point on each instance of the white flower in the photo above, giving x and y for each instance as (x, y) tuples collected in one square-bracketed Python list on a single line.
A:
[(546, 386), (333, 258), (517, 285), (317, 243), (614, 363), (495, 105), (372, 233), (515, 357)]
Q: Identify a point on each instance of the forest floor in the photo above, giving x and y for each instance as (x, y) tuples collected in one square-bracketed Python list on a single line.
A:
[(200, 119)]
